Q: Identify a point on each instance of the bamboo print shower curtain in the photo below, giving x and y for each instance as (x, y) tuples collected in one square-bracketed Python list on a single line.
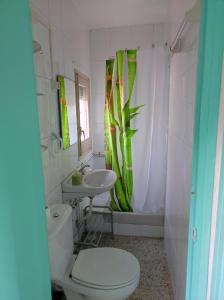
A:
[(120, 82)]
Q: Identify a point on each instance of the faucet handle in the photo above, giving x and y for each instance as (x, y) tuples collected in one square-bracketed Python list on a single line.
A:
[(83, 166)]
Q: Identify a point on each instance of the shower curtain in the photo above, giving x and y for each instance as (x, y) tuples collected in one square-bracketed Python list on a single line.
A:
[(120, 82), (150, 144), (136, 120)]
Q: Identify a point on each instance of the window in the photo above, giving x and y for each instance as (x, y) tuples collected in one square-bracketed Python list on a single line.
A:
[(83, 113)]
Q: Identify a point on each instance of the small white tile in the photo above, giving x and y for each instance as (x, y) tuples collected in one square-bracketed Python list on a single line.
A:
[(142, 35), (121, 38), (99, 44), (98, 71), (80, 54), (52, 175), (54, 113), (55, 13), (189, 129), (98, 137), (43, 100), (190, 92), (68, 161), (68, 61), (68, 13), (55, 196), (42, 7), (42, 59), (101, 199), (45, 152), (99, 163), (57, 52), (98, 107), (161, 34)]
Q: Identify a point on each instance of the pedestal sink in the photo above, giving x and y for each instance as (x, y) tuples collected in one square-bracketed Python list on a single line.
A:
[(93, 183)]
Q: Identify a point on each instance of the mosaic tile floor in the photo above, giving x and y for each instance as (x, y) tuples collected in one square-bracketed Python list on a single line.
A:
[(155, 281)]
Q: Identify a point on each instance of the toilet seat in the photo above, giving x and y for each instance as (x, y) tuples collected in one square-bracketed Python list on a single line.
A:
[(105, 268)]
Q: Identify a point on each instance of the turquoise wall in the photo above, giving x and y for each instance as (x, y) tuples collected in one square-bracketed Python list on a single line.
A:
[(24, 271)]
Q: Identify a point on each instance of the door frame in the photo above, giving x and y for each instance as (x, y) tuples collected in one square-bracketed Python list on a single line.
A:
[(217, 280), (24, 271), (204, 150)]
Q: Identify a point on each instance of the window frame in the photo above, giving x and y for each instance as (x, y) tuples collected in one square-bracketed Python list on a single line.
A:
[(84, 147)]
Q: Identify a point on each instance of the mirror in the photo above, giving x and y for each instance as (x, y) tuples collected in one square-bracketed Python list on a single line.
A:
[(67, 111)]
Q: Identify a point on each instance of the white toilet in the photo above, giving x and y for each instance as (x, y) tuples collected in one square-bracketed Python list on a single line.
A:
[(94, 274)]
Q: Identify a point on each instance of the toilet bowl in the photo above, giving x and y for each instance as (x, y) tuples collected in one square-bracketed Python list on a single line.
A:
[(102, 274), (94, 274)]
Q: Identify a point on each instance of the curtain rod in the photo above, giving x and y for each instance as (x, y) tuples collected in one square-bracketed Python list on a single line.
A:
[(191, 16), (175, 46), (126, 49), (138, 48)]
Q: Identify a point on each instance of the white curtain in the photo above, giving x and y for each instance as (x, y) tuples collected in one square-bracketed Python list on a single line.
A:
[(150, 143)]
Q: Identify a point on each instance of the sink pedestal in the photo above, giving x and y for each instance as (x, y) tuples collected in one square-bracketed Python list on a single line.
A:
[(93, 183)]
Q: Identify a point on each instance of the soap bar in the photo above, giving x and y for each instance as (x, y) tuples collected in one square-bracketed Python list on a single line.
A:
[(77, 178)]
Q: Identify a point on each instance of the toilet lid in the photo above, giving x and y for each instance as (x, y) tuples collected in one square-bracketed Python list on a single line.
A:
[(105, 267)]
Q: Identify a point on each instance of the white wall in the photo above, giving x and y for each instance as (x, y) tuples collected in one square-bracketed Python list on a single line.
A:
[(103, 44), (178, 8), (58, 22), (181, 122)]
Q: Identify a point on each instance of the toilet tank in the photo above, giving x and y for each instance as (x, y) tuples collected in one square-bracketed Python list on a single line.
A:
[(60, 238)]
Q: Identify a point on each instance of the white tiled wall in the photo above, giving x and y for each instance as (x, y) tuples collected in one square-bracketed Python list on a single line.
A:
[(177, 10), (181, 122), (65, 46), (103, 44)]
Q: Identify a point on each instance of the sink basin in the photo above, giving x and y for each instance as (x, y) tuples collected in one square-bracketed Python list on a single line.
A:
[(57, 215), (93, 183), (100, 179)]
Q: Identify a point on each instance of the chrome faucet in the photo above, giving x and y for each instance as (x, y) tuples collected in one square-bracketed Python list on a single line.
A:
[(83, 166)]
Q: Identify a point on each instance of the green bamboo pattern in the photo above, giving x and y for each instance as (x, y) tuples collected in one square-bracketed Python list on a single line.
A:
[(120, 82), (63, 113), (112, 161)]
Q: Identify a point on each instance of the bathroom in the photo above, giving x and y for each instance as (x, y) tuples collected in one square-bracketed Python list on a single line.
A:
[(74, 44)]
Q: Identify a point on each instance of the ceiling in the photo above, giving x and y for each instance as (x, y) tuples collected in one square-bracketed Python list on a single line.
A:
[(113, 13)]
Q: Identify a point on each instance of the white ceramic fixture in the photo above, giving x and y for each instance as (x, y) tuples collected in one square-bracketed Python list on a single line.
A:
[(93, 183), (94, 274)]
